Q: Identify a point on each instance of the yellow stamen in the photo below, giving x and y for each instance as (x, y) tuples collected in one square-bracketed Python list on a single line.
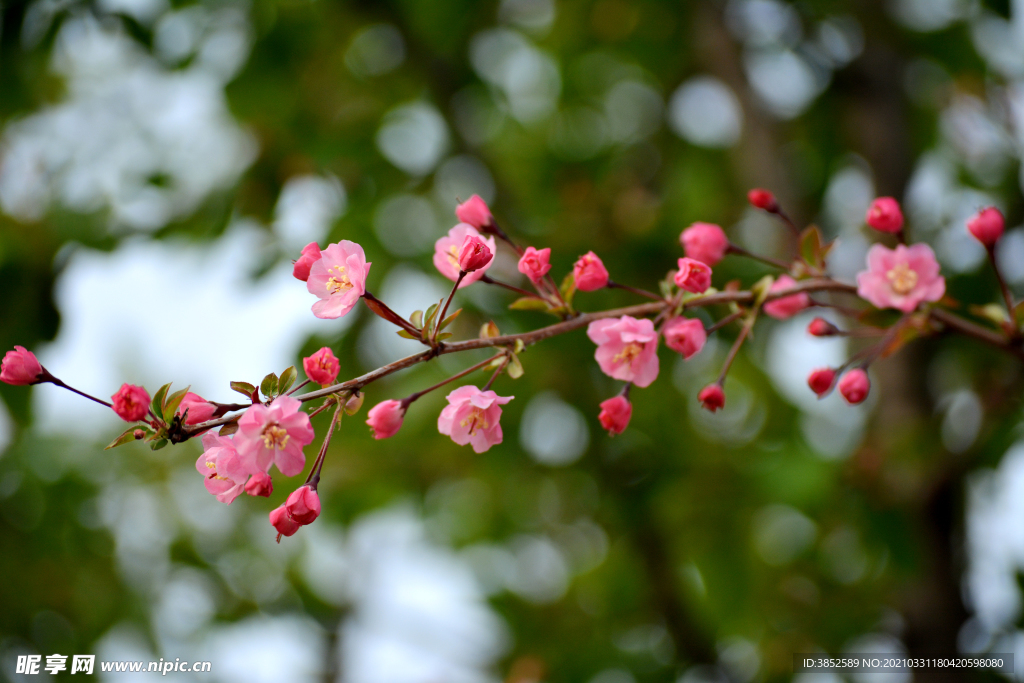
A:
[(631, 351), (339, 283), (453, 256), (275, 436), (475, 420), (902, 279)]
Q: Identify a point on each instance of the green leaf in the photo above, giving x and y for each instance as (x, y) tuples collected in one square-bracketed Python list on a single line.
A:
[(126, 436), (172, 402), (431, 312), (444, 335), (244, 388), (449, 320), (520, 346), (1018, 313), (568, 289), (406, 335), (157, 445), (229, 429), (269, 385), (667, 287), (489, 330), (810, 246), (287, 379), (515, 368), (157, 405), (417, 318), (993, 312), (529, 303), (354, 403), (761, 289)]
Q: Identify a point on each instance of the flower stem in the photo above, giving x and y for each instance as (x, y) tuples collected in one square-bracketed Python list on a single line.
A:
[(444, 311), (525, 292), (53, 380), (634, 290), (412, 397), (740, 251), (1011, 326), (314, 472), (498, 371)]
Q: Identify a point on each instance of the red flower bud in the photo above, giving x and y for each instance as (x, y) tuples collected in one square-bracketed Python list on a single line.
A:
[(819, 327), (712, 397), (763, 199), (854, 386), (693, 275), (20, 367), (474, 254), (820, 381), (885, 215), (260, 484), (131, 403), (987, 226), (615, 414)]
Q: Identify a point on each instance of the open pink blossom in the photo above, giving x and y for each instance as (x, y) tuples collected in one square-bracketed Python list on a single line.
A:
[(589, 273), (686, 336), (199, 409), (534, 264), (385, 418), (20, 367), (448, 251), (475, 212), (705, 242), (885, 215), (627, 349), (901, 278), (615, 414), (131, 403), (693, 275), (338, 279), (854, 386), (473, 417), (310, 255), (474, 254), (787, 306), (322, 367), (300, 508), (274, 435), (987, 226), (260, 484), (223, 471)]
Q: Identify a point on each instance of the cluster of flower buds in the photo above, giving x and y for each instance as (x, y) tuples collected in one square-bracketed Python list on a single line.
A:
[(273, 430)]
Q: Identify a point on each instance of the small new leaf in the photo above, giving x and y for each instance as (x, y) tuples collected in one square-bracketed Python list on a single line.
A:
[(811, 246), (269, 385), (417, 318), (444, 335), (126, 436), (993, 312), (244, 388), (172, 402), (515, 367), (157, 405), (529, 303), (287, 379), (489, 330), (406, 335), (449, 320), (229, 429), (158, 444), (568, 289)]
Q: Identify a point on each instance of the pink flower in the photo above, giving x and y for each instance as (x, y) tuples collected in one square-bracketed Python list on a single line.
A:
[(274, 434), (987, 226), (223, 470), (338, 278), (901, 278), (474, 254), (819, 327), (385, 418), (884, 215), (322, 367), (472, 417), (787, 306), (627, 349), (589, 273), (534, 264), (260, 484), (448, 251), (475, 212), (615, 414), (820, 381), (300, 508), (199, 409), (854, 386), (705, 242), (131, 403), (712, 397), (762, 199), (686, 336), (693, 275), (20, 367), (310, 255)]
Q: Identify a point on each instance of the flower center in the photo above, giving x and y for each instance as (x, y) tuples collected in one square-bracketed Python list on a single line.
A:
[(629, 353), (475, 420), (275, 436), (902, 279), (454, 252), (340, 282)]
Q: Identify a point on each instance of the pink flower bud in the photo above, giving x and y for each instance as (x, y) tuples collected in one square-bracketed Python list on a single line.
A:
[(199, 409), (712, 397), (820, 381), (474, 254), (303, 504), (615, 414), (385, 418), (131, 403), (686, 336), (322, 367), (705, 242), (693, 275), (884, 215), (282, 521), (987, 226), (819, 327), (534, 264), (475, 212), (762, 199), (310, 255), (260, 484), (854, 386), (787, 306), (20, 367), (139, 434), (589, 273)]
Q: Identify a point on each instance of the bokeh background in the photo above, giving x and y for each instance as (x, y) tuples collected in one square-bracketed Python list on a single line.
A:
[(163, 161)]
